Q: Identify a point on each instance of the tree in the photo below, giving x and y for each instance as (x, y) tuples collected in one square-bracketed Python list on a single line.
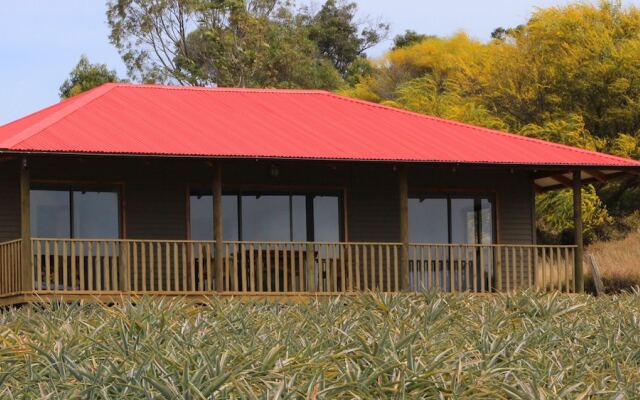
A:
[(85, 76), (570, 74), (252, 43), (338, 36), (408, 38)]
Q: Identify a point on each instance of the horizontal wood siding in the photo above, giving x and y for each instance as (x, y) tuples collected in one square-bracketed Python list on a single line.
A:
[(9, 201), (373, 207)]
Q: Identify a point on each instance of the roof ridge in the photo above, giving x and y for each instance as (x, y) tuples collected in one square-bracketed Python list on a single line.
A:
[(73, 104), (217, 89), (478, 128)]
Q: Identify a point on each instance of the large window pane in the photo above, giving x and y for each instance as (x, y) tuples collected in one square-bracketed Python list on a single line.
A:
[(265, 218), (326, 218), (486, 221), (201, 217), (428, 220), (299, 217), (463, 221), (50, 214), (229, 218), (95, 215)]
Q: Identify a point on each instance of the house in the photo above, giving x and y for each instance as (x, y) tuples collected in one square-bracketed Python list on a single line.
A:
[(142, 189)]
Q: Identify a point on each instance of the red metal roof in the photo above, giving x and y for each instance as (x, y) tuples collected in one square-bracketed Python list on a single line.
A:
[(220, 122)]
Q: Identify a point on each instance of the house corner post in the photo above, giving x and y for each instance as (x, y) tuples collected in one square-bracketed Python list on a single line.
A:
[(577, 227), (217, 225), (404, 228), (25, 226)]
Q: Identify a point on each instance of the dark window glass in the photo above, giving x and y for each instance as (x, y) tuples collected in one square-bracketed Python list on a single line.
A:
[(265, 218), (201, 217), (463, 221), (326, 218), (95, 215), (229, 217), (50, 214), (486, 221), (428, 221), (270, 216), (82, 214), (298, 218)]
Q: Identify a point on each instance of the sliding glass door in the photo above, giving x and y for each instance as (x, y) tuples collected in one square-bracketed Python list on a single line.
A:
[(450, 219)]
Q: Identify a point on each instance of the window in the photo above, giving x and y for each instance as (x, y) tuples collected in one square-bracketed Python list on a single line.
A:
[(68, 212), (268, 216), (449, 219)]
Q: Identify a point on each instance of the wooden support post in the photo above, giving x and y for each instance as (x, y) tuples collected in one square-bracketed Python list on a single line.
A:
[(404, 228), (311, 276), (25, 226), (217, 224), (577, 227), (125, 267)]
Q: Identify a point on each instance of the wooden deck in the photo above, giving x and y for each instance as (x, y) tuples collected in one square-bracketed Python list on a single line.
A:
[(105, 270)]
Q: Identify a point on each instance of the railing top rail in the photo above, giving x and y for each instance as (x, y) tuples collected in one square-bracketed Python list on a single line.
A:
[(273, 242), (495, 245), (10, 242)]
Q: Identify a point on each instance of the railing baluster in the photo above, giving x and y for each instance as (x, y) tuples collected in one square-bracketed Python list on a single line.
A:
[(106, 272), (276, 254), (39, 264), (357, 266), (208, 255), (260, 269), (268, 255), (252, 274)]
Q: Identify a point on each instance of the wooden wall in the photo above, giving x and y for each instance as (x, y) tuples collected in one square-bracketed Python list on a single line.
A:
[(9, 200), (155, 191)]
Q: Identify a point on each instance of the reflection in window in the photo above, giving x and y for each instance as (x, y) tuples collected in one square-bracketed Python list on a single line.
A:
[(428, 221), (449, 220), (268, 216), (68, 213), (50, 214), (326, 214), (463, 221), (201, 216)]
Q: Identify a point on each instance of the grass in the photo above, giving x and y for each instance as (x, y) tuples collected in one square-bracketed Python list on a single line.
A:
[(619, 262), (431, 345)]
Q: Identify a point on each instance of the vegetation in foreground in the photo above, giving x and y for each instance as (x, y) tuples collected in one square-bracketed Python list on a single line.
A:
[(429, 345)]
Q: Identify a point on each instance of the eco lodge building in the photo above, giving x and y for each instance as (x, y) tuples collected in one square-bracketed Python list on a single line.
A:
[(141, 189)]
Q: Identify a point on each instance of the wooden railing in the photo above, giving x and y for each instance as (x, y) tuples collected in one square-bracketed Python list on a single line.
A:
[(188, 267), (10, 268), (490, 268)]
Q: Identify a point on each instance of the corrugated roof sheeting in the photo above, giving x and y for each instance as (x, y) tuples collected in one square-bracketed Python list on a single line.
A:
[(165, 120)]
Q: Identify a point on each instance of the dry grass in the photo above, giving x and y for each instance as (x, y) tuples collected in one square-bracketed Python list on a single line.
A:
[(430, 345), (619, 262)]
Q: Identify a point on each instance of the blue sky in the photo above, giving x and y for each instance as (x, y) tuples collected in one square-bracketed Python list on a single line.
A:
[(41, 40)]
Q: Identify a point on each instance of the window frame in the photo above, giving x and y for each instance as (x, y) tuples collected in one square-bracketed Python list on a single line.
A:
[(307, 191), (86, 186), (477, 196)]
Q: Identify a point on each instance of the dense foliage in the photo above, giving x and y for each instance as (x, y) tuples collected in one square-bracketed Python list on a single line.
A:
[(373, 346), (570, 74), (247, 43), (85, 76)]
